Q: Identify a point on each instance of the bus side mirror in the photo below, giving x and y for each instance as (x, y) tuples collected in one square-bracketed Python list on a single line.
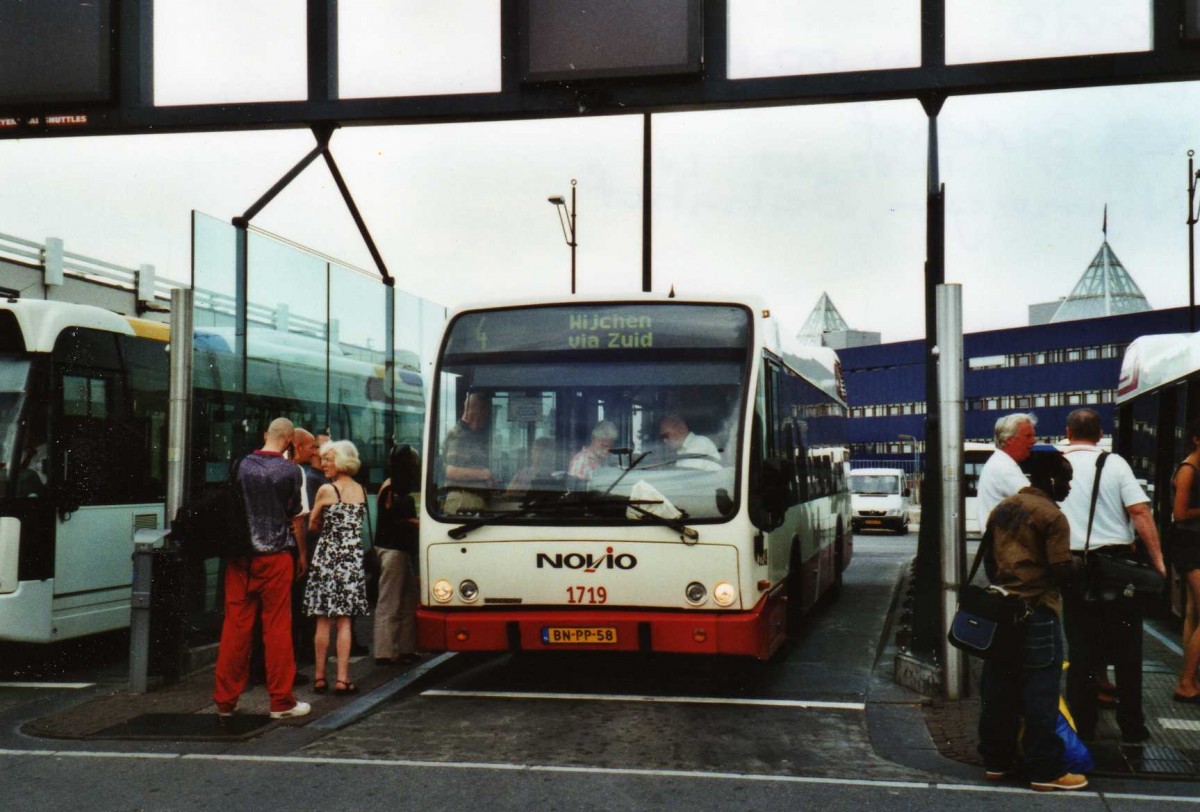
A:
[(907, 492)]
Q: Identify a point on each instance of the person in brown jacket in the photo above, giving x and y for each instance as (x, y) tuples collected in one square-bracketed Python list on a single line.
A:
[(1030, 558)]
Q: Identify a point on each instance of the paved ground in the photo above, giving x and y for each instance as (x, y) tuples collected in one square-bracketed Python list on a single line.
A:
[(1173, 750), (184, 711)]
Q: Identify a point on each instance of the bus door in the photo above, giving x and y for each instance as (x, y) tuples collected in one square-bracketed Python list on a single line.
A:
[(106, 470)]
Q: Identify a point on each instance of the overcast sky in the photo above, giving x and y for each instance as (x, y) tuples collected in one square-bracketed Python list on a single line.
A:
[(785, 203)]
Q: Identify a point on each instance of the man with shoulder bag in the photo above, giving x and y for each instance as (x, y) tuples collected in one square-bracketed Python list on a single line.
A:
[(1103, 615), (1030, 559)]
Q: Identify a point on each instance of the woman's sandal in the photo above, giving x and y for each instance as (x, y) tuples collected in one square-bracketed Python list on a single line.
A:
[(344, 687), (320, 686)]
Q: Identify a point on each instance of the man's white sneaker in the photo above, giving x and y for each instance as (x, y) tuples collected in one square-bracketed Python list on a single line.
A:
[(299, 709)]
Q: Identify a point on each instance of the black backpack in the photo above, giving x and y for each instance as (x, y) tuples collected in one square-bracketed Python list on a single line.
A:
[(214, 523)]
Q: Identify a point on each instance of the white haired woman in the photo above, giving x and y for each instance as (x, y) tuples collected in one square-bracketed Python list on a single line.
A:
[(337, 581)]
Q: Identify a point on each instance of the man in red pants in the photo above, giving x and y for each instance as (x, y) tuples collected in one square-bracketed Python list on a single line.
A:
[(271, 486)]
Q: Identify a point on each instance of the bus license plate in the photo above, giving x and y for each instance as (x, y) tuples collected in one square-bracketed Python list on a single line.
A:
[(578, 635)]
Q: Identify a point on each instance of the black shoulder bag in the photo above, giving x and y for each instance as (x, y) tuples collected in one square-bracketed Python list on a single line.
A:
[(989, 622), (1110, 576), (214, 523)]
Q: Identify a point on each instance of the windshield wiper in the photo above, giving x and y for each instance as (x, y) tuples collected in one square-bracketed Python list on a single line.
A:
[(529, 509), (675, 524), (633, 463), (561, 506)]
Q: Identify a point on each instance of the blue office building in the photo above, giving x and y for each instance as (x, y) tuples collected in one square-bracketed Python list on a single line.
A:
[(1070, 360)]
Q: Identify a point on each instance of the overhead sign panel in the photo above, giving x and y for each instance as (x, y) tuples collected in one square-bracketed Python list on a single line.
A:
[(565, 40), (55, 51)]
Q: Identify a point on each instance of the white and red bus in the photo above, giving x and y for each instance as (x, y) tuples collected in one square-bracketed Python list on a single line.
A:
[(717, 546), (1157, 394)]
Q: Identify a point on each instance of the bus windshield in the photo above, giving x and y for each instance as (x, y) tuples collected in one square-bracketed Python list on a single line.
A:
[(605, 413), (30, 462)]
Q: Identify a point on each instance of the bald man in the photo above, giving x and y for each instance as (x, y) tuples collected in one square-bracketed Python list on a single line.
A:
[(270, 485)]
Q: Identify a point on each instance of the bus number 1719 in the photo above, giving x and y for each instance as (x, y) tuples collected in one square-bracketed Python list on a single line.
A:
[(587, 594)]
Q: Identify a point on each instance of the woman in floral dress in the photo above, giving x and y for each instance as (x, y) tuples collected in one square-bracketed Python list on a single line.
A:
[(337, 582)]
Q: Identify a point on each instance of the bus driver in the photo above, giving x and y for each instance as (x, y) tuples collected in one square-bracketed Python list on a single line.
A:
[(691, 450)]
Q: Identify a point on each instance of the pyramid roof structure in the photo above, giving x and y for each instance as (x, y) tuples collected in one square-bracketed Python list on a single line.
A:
[(1105, 289), (824, 318)]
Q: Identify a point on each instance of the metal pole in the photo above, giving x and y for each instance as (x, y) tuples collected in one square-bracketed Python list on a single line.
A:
[(950, 386), (574, 241), (1191, 223), (926, 609), (180, 393), (647, 203), (139, 617)]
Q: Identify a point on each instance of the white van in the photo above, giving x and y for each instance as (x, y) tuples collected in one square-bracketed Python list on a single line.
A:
[(879, 499)]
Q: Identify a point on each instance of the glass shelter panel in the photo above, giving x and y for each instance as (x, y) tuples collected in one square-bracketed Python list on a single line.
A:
[(223, 41), (286, 333), (999, 30), (418, 48), (217, 367), (768, 38), (359, 406), (410, 370)]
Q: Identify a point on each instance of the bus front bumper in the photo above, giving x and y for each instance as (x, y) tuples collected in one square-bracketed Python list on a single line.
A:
[(757, 633)]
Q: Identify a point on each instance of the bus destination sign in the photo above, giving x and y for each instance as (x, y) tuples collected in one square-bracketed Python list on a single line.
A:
[(601, 328), (614, 331)]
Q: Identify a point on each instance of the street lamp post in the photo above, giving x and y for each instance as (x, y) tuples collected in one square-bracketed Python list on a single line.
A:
[(1191, 223), (566, 218)]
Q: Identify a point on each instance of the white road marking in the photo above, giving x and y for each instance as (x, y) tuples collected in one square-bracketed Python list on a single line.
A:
[(1162, 638), (683, 700), (65, 686), (535, 768), (1179, 724), (1013, 790)]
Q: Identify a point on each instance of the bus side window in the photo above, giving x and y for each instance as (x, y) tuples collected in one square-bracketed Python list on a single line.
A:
[(86, 366)]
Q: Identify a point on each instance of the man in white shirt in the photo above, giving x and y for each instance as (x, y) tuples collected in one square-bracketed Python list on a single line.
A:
[(692, 450), (1099, 631), (1001, 476)]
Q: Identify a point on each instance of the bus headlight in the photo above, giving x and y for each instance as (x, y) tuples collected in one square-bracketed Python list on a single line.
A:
[(468, 590), (724, 594), (442, 591), (695, 593)]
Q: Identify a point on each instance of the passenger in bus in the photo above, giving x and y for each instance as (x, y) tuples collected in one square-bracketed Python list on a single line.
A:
[(691, 450), (337, 580), (1097, 630), (468, 471), (1001, 475), (1185, 555), (1030, 557), (263, 582), (395, 546), (594, 455), (537, 474)]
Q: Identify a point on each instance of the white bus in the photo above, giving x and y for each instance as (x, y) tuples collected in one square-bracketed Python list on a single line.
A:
[(83, 436), (1157, 394), (975, 455), (717, 552)]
